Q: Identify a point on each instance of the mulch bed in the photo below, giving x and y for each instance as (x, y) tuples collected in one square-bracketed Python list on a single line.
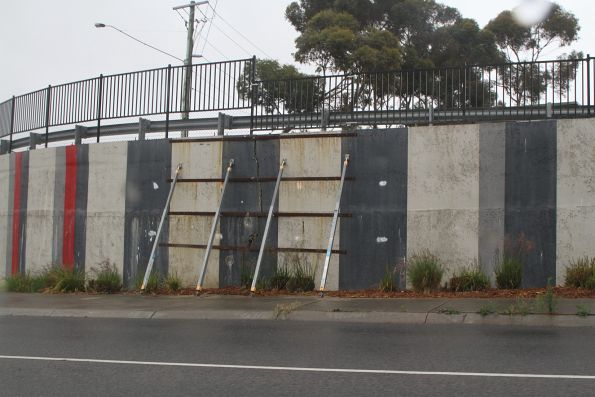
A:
[(561, 292)]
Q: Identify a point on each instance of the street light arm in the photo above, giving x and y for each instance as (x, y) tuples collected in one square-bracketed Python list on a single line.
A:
[(101, 25)]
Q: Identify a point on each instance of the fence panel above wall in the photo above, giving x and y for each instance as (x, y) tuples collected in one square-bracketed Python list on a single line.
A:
[(469, 93)]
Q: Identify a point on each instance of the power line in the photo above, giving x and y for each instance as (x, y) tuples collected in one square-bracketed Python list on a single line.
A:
[(242, 35), (211, 24), (229, 37), (146, 44)]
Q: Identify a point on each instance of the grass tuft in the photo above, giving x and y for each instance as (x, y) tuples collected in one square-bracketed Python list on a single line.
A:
[(106, 279), (425, 271), (173, 283), (25, 283), (580, 273), (388, 282), (471, 279)]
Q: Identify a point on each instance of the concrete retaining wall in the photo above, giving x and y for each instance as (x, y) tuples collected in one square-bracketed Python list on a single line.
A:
[(462, 192)]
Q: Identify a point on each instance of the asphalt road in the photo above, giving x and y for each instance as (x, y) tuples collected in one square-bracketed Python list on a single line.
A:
[(268, 358)]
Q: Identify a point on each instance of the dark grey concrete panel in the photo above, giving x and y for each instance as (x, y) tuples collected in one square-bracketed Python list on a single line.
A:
[(80, 218), (9, 211), (375, 238), (148, 168), (531, 169), (257, 158), (58, 211), (23, 212), (492, 153)]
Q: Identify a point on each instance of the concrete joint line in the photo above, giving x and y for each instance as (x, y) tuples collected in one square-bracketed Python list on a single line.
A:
[(432, 310)]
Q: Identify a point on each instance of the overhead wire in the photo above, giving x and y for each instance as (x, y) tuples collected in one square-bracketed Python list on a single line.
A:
[(241, 34)]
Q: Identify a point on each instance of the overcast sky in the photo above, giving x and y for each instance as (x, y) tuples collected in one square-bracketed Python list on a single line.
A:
[(53, 42)]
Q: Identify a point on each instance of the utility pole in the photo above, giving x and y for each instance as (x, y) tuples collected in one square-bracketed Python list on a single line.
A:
[(186, 94)]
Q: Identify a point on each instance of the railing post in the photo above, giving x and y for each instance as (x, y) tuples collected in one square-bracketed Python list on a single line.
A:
[(253, 98), (11, 123), (588, 84), (99, 106), (167, 100), (465, 92), (47, 115)]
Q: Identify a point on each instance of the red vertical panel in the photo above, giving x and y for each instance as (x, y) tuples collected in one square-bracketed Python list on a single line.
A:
[(16, 212), (69, 208)]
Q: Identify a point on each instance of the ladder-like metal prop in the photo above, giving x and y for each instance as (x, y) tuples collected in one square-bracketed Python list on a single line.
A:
[(266, 228), (331, 238), (201, 278), (156, 243)]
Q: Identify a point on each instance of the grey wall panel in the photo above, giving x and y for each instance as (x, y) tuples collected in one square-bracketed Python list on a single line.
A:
[(258, 158), (492, 148), (80, 218), (375, 238), (531, 171), (149, 167)]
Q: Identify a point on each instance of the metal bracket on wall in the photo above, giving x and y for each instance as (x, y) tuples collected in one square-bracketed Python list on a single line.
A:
[(266, 228), (201, 277), (331, 238), (156, 243)]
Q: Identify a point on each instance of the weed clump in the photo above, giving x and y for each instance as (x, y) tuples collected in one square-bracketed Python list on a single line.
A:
[(106, 279), (61, 279), (301, 277), (580, 273), (172, 282), (472, 279), (25, 282), (509, 272), (388, 282), (425, 272)]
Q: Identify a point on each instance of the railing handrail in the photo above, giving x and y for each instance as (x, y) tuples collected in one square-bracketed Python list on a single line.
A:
[(232, 85)]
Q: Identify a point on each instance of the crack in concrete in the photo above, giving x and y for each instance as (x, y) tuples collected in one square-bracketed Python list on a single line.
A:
[(432, 311)]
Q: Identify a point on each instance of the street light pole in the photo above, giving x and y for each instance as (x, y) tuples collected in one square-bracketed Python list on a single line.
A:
[(188, 61)]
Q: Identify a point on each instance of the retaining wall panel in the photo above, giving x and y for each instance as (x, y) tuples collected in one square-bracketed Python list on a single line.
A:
[(257, 158), (106, 205), (149, 167), (531, 165), (39, 229), (375, 238), (575, 217)]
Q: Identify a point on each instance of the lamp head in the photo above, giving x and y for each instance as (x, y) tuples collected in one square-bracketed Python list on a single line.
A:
[(99, 25)]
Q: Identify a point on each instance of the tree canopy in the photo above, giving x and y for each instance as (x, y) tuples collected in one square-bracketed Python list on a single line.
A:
[(521, 43)]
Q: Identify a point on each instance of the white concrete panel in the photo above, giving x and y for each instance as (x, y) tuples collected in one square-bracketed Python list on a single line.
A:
[(106, 204), (196, 196), (310, 196), (40, 209), (310, 233), (199, 160), (187, 262), (311, 157), (4, 203), (575, 192), (449, 234), (443, 167)]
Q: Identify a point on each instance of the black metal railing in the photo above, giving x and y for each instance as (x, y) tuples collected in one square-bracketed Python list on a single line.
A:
[(560, 88), (144, 93)]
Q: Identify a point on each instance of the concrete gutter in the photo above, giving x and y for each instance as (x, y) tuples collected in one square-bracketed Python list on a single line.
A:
[(298, 308)]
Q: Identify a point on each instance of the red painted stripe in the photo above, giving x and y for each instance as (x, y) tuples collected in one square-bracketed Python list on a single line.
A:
[(16, 212), (69, 208)]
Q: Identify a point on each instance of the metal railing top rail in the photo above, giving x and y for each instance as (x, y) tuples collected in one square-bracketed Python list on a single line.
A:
[(494, 91), (441, 68)]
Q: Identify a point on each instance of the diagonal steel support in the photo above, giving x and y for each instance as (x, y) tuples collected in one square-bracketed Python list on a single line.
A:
[(331, 238), (266, 228), (156, 243), (201, 277)]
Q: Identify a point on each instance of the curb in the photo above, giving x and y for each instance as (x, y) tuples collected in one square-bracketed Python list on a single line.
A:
[(535, 320)]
